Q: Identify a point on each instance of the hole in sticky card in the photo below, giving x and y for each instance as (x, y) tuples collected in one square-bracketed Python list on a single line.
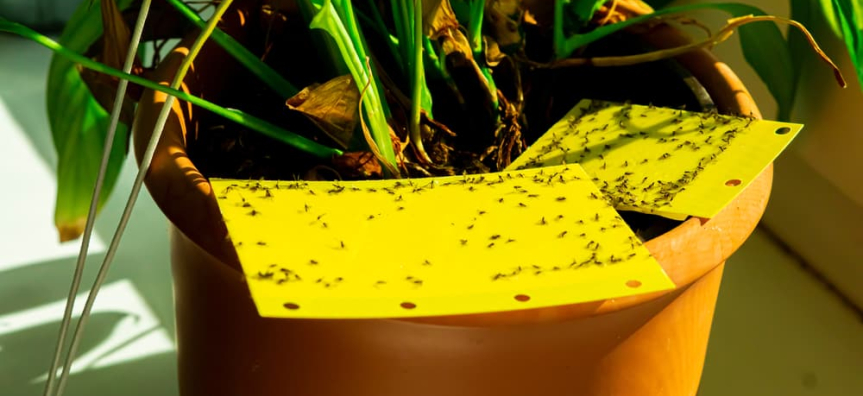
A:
[(633, 284), (733, 183), (408, 305), (292, 306), (783, 131), (522, 297)]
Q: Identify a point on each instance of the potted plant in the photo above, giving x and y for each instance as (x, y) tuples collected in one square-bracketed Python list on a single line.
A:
[(501, 68)]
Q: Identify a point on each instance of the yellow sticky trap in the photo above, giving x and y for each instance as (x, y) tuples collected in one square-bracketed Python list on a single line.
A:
[(673, 163), (427, 247)]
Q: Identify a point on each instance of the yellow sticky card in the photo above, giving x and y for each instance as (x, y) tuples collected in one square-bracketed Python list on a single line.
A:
[(429, 247), (669, 162)]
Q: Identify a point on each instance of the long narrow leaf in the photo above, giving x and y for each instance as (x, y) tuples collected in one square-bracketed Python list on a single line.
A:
[(352, 51), (849, 14), (247, 120), (78, 127), (573, 13)]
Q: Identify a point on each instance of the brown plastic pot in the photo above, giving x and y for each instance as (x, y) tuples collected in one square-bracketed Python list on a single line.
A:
[(647, 345)]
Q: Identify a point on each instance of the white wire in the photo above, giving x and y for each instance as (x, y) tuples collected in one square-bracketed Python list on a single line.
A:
[(143, 168), (94, 201)]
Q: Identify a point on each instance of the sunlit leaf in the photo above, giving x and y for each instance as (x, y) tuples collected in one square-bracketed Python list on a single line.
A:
[(569, 17), (438, 16), (78, 126), (504, 28), (831, 15), (849, 15), (345, 33)]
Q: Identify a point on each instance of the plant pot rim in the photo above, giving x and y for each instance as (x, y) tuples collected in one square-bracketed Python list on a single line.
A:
[(686, 253)]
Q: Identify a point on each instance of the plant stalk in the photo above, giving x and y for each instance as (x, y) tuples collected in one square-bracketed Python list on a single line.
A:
[(417, 82), (136, 189), (94, 202)]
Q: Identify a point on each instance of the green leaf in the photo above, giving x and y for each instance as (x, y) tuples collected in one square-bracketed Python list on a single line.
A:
[(346, 35), (849, 14), (763, 47), (256, 124), (769, 55), (569, 16), (583, 10), (78, 127), (831, 15)]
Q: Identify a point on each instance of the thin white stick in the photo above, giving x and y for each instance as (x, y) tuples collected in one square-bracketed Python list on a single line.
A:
[(143, 168), (94, 201)]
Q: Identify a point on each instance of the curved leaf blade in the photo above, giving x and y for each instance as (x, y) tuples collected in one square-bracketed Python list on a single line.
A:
[(849, 15), (78, 127)]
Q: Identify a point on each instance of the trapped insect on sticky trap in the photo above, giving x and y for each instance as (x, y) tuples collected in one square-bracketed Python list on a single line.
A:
[(427, 247), (669, 162)]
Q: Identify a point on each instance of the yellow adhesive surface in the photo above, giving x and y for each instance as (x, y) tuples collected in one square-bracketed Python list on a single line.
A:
[(428, 247), (669, 162)]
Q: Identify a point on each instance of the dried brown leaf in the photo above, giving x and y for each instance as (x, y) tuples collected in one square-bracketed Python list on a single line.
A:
[(438, 17), (361, 164), (502, 18), (493, 54), (332, 106)]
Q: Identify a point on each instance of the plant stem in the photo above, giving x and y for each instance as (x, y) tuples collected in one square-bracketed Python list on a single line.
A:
[(417, 81), (136, 189), (349, 42), (477, 11), (260, 69), (94, 201), (247, 120)]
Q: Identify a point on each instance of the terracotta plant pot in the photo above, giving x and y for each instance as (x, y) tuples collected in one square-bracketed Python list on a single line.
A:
[(647, 345)]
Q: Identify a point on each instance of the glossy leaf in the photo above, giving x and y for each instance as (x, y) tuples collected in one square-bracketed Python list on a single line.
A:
[(569, 16), (345, 33), (78, 126), (849, 17), (470, 14), (831, 16)]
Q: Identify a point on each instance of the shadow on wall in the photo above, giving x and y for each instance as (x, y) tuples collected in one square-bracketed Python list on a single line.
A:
[(125, 345)]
